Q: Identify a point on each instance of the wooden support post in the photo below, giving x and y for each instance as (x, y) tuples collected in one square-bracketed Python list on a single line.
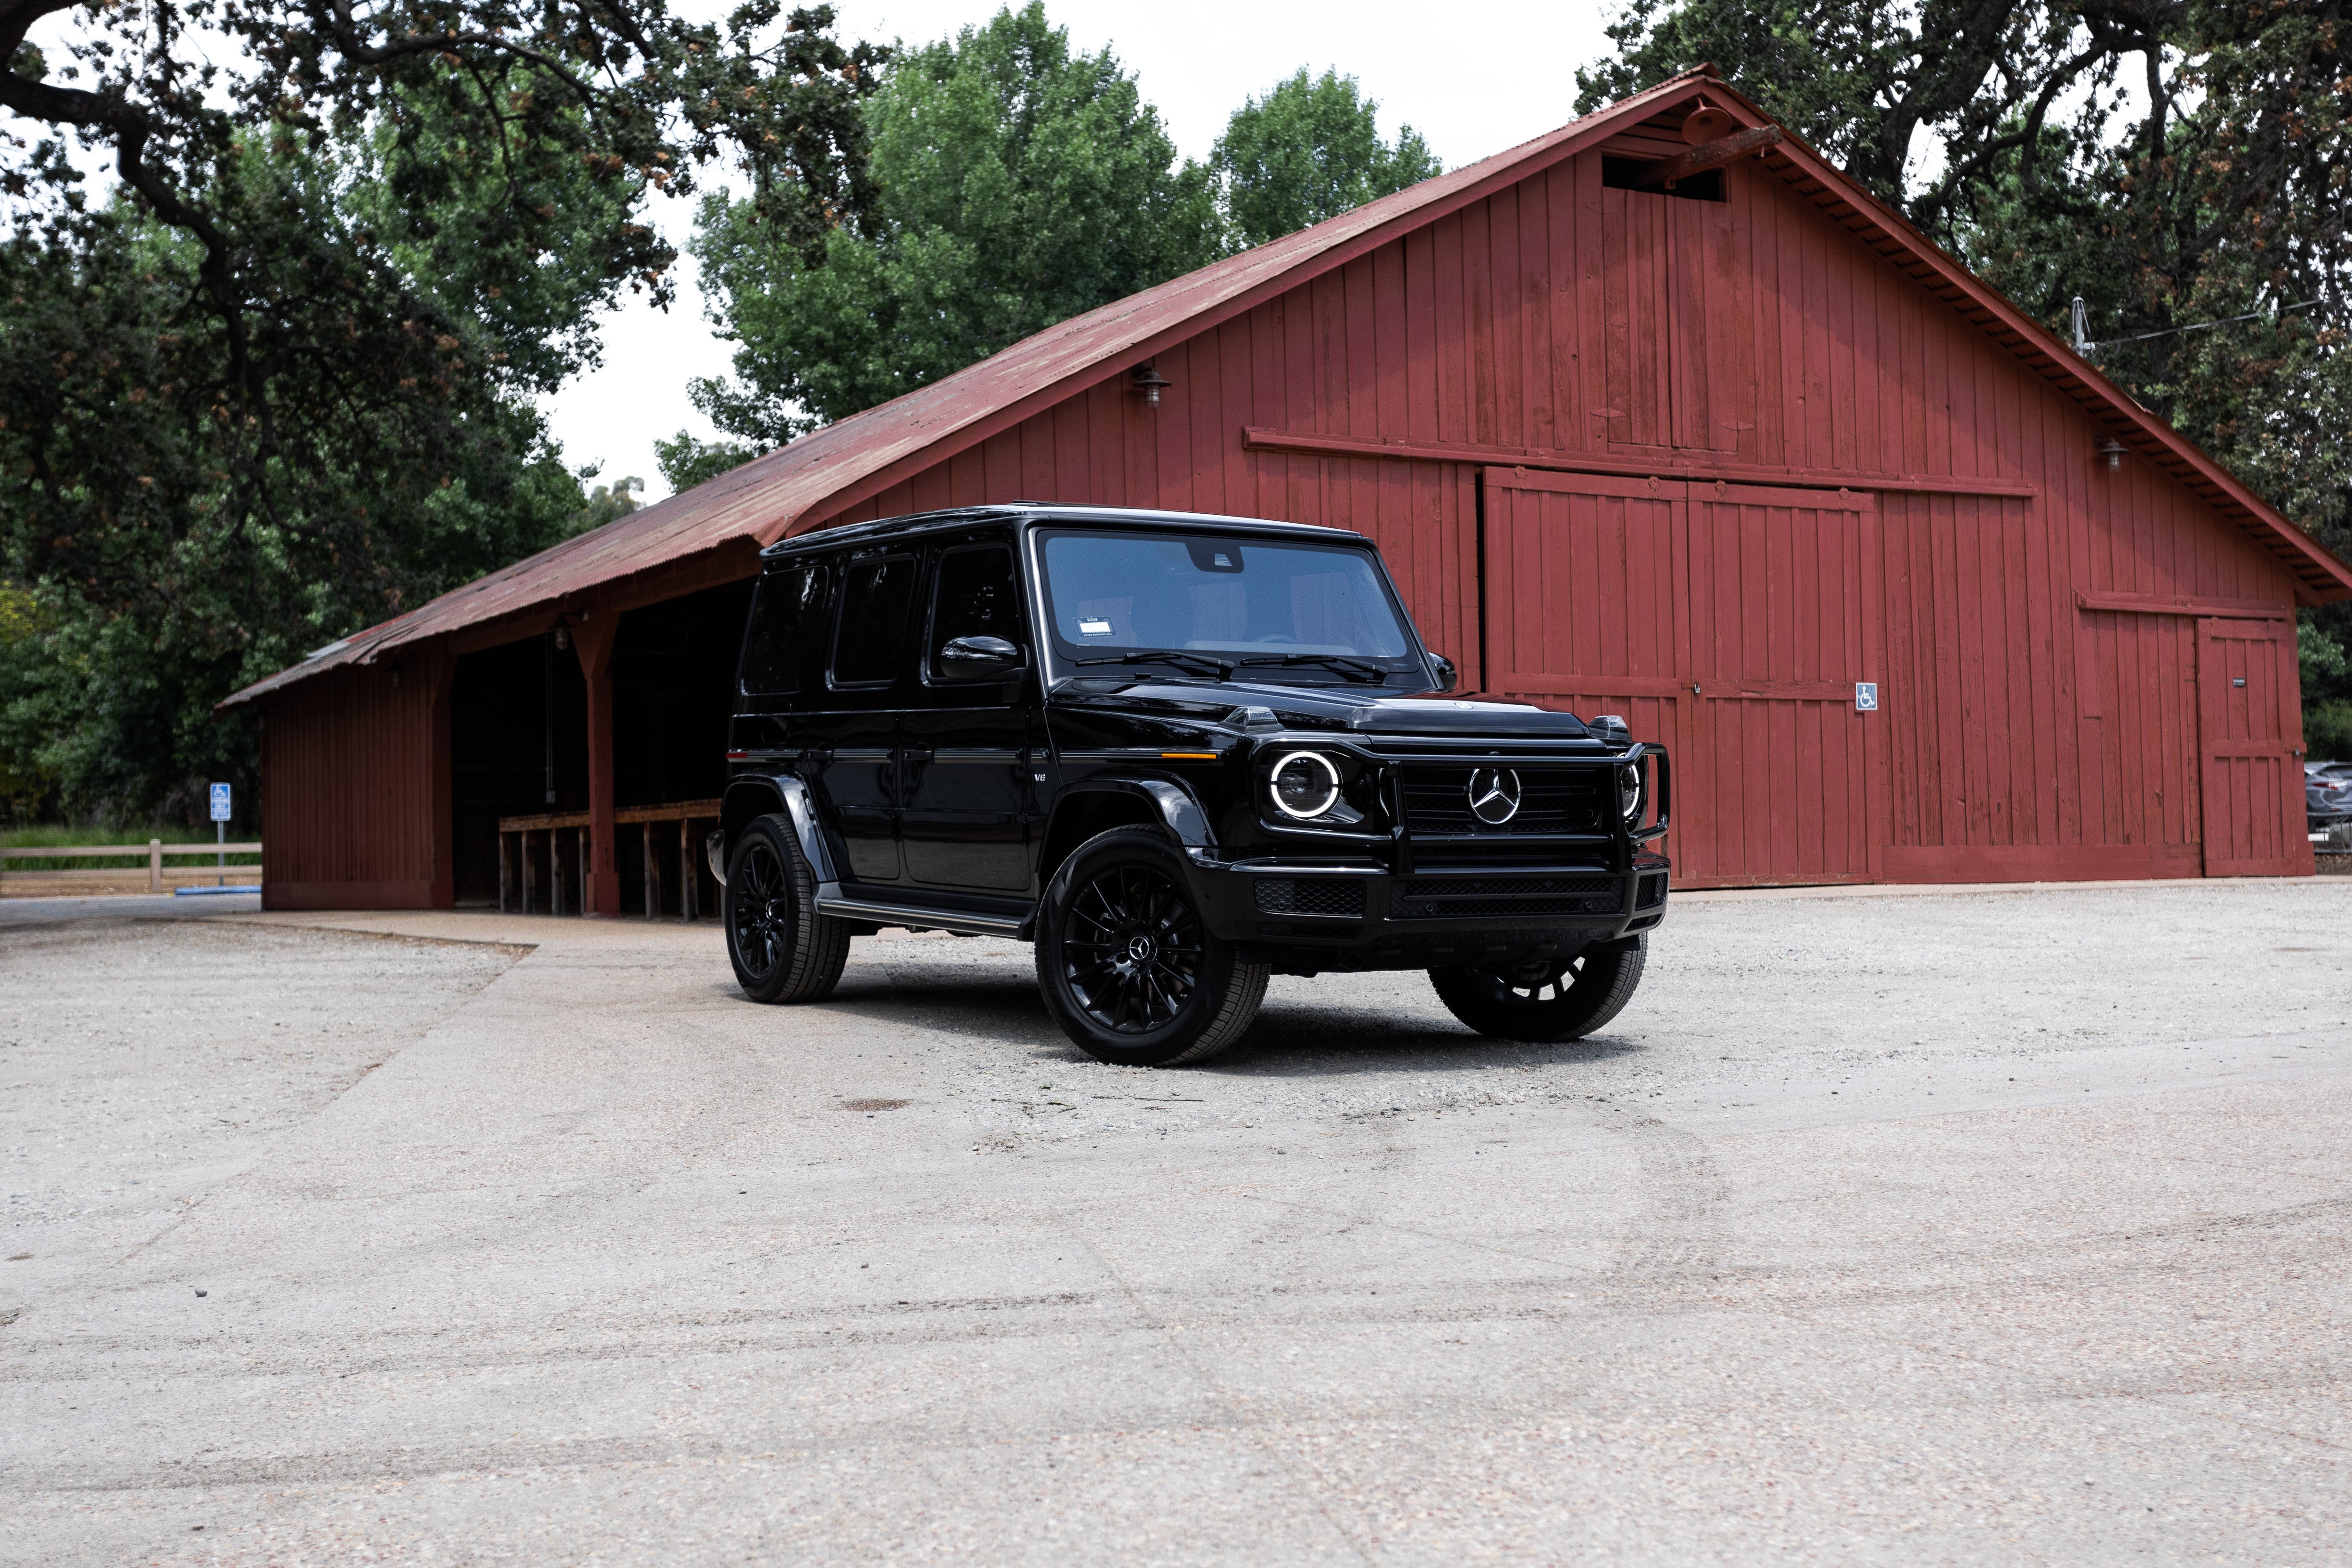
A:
[(579, 843), (591, 639), (154, 865), (530, 871), (689, 885), (652, 868), (504, 880), (554, 875)]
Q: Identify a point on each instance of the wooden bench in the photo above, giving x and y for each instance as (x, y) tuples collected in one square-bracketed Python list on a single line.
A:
[(519, 829)]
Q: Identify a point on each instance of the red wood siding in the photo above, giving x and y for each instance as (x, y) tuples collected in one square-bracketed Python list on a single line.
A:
[(355, 810)]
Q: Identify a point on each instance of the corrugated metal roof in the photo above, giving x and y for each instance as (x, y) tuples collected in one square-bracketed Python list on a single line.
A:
[(793, 486)]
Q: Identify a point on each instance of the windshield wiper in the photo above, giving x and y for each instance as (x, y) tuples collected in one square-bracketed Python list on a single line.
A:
[(1353, 669), (1200, 664)]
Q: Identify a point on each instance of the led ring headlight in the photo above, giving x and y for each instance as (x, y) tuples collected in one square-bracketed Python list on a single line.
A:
[(1305, 784), (1629, 793)]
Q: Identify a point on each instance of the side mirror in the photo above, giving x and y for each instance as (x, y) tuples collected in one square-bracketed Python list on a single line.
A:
[(978, 659), (1448, 677)]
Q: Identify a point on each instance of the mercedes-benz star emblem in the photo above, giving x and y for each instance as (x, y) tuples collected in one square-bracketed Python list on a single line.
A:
[(1493, 795)]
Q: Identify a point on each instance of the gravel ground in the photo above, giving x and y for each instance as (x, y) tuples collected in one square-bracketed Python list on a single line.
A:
[(1969, 1228), (141, 1064)]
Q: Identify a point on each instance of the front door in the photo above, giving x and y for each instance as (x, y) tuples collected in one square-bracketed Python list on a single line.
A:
[(1732, 623), (2249, 722), (966, 742)]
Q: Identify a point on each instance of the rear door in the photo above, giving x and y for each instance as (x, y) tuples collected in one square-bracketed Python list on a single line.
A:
[(1732, 623), (2249, 723), (867, 672)]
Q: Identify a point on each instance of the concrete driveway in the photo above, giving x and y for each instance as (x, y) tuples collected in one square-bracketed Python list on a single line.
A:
[(1981, 1227)]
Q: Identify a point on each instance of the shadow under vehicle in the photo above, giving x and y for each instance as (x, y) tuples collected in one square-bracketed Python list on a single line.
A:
[(1178, 753)]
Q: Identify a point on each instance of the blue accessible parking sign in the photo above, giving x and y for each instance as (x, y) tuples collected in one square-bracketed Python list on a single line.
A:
[(220, 802)]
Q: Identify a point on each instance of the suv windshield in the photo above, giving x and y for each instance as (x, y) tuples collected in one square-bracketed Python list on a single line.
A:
[(1320, 611)]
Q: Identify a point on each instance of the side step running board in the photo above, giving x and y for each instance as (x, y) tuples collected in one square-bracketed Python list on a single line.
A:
[(917, 915)]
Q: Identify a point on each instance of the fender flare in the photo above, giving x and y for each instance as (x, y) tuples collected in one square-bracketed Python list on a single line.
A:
[(757, 795), (1175, 806)]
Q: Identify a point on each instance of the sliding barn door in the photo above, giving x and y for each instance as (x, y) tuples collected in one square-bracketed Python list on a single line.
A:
[(1731, 623), (2249, 724)]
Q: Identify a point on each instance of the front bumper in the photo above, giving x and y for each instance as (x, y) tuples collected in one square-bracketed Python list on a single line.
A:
[(1337, 916)]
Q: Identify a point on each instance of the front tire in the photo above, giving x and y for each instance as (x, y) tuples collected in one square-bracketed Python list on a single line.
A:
[(1545, 1001), (782, 949), (1129, 969)]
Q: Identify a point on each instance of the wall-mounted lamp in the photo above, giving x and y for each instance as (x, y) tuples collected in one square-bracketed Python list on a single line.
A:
[(1149, 380), (2113, 451), (562, 637), (1707, 123)]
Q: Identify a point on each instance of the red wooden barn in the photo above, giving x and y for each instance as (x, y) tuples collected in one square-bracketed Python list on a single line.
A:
[(1721, 455)]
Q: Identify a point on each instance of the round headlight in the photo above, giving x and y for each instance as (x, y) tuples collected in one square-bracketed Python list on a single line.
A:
[(1305, 784), (1629, 793)]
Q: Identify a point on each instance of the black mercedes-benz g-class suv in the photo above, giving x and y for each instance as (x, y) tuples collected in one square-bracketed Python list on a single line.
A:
[(1178, 753)]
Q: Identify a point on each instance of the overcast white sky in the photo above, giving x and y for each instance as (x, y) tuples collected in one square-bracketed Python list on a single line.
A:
[(1472, 78)]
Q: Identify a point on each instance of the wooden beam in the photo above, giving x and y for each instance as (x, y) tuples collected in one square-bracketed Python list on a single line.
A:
[(2156, 604), (1256, 438), (1662, 174)]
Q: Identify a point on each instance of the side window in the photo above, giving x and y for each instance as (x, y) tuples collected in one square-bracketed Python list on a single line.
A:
[(975, 598), (776, 645), (870, 642)]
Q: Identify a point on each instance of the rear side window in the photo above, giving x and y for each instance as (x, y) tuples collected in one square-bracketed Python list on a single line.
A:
[(975, 598), (870, 643), (777, 643)]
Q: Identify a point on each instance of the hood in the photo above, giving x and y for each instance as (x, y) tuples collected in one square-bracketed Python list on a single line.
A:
[(1335, 707)]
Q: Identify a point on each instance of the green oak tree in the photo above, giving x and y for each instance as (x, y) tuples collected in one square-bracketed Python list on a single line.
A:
[(278, 379), (1309, 150)]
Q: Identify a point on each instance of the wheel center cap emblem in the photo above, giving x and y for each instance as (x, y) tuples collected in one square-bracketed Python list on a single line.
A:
[(1139, 949), (1493, 795)]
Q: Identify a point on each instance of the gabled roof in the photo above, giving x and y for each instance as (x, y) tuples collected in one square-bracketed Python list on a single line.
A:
[(798, 485)]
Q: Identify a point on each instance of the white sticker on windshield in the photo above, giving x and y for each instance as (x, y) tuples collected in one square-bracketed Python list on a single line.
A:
[(1094, 628)]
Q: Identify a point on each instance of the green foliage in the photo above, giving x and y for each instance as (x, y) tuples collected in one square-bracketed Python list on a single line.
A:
[(282, 385), (606, 504), (2320, 639), (1310, 150), (1017, 183), (687, 462), (1020, 183)]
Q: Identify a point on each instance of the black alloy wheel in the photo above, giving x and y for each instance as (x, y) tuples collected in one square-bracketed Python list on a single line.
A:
[(1132, 952), (1548, 1000), (1129, 968), (782, 949)]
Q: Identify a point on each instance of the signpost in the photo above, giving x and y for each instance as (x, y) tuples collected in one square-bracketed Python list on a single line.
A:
[(220, 832)]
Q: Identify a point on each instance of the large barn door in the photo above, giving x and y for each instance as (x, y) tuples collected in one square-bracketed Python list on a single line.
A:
[(1784, 629), (1730, 623), (2252, 733)]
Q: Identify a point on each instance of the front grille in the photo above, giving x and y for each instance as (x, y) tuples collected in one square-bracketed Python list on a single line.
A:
[(1551, 801), (1315, 896), (1504, 898), (1653, 891)]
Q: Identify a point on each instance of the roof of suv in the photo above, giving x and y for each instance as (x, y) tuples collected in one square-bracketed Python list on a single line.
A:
[(1041, 511)]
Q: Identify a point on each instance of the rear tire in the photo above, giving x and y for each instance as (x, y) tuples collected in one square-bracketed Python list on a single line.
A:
[(782, 949), (1128, 968), (1545, 1001)]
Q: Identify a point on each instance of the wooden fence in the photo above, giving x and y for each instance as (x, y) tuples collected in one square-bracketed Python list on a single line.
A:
[(154, 852), (518, 868)]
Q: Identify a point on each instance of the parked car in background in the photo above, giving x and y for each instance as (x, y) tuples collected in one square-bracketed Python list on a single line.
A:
[(2328, 793)]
